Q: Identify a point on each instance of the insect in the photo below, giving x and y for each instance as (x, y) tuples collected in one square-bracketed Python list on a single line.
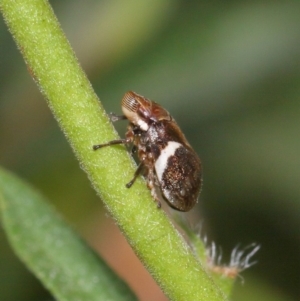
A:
[(167, 161)]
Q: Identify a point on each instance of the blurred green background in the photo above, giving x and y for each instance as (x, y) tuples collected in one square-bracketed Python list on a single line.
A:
[(229, 73)]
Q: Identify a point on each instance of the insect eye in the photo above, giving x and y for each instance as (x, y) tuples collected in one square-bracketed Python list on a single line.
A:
[(130, 103)]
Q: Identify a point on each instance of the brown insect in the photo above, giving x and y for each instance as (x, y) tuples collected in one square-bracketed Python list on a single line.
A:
[(168, 162)]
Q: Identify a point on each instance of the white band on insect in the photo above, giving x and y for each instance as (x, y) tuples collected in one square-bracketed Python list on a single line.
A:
[(143, 125), (162, 160)]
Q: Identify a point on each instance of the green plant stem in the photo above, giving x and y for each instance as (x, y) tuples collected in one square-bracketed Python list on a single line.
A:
[(53, 65)]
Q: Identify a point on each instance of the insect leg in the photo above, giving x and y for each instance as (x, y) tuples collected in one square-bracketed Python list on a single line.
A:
[(119, 141), (113, 117), (136, 174), (152, 185), (133, 150)]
